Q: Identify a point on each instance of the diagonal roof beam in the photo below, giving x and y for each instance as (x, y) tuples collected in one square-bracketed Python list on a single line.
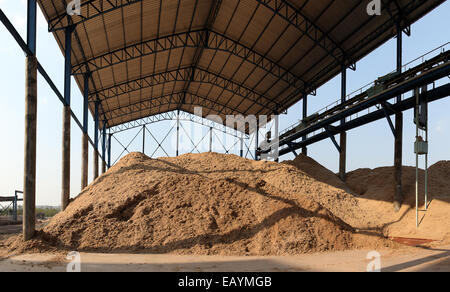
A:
[(299, 20), (89, 9)]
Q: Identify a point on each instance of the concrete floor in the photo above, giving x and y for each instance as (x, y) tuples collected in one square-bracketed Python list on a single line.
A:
[(400, 260)]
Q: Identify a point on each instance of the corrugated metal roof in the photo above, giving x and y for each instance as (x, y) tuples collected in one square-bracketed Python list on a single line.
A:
[(249, 57)]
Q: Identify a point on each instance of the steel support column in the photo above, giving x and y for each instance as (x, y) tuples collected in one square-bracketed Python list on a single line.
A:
[(96, 125), (210, 139), (257, 140), (85, 138), (343, 135), (65, 192), (178, 132), (109, 150), (143, 139), (104, 148), (29, 175), (242, 145), (277, 136), (304, 116), (398, 151)]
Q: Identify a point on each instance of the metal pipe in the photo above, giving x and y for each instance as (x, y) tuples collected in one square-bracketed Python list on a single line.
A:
[(29, 173)]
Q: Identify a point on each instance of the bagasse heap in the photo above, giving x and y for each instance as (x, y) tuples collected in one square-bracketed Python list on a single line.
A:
[(204, 204)]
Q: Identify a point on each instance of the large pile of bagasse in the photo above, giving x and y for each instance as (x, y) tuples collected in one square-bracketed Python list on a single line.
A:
[(223, 205), (204, 204)]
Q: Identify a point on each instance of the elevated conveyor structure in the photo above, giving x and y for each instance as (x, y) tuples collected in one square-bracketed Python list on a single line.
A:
[(319, 126)]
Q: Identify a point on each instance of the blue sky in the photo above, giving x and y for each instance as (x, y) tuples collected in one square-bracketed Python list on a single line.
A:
[(369, 146)]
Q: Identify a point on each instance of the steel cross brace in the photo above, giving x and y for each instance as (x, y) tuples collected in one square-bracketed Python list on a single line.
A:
[(220, 142), (125, 148), (388, 107), (331, 132), (196, 146), (248, 148), (291, 147), (192, 142), (162, 141)]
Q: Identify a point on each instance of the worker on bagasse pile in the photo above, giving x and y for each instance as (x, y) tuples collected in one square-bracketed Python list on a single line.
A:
[(265, 151)]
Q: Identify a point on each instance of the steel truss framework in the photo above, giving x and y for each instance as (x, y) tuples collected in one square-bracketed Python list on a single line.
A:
[(172, 116), (194, 75), (179, 118), (198, 39), (94, 9)]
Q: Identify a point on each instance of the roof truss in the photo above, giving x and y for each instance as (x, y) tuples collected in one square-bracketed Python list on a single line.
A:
[(185, 75), (89, 9)]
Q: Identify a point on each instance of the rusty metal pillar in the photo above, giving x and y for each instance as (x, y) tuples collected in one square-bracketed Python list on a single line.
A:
[(343, 135), (398, 151), (29, 173), (65, 186)]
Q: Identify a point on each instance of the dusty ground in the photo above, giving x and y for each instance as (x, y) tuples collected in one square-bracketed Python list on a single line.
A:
[(401, 260)]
